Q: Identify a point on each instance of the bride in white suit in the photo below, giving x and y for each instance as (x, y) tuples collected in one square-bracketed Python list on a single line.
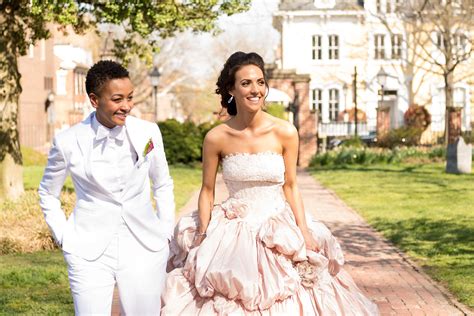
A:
[(114, 236)]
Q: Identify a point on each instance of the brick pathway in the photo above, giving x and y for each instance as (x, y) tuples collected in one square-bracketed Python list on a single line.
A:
[(394, 282), (391, 280)]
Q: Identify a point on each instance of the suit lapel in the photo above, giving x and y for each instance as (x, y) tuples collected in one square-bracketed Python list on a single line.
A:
[(137, 138), (85, 140), (85, 136)]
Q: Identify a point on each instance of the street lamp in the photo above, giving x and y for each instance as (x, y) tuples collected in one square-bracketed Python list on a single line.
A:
[(354, 97), (154, 78), (49, 108), (382, 79)]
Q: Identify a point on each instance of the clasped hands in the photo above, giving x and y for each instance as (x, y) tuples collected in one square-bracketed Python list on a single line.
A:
[(311, 244)]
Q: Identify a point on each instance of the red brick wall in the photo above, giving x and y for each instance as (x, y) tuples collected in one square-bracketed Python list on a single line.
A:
[(32, 115), (383, 121), (298, 86), (307, 125)]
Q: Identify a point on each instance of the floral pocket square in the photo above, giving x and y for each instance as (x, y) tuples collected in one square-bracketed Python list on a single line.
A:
[(148, 147)]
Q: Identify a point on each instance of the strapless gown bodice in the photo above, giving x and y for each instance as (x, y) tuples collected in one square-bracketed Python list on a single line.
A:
[(254, 182)]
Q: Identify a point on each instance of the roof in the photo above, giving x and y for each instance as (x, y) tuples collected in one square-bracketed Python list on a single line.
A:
[(309, 5)]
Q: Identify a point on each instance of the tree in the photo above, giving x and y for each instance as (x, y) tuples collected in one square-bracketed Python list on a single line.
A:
[(437, 37), (145, 23)]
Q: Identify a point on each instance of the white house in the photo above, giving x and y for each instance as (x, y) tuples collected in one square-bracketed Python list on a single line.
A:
[(332, 40)]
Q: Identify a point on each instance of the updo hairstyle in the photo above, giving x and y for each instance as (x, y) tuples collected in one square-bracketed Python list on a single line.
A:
[(226, 80)]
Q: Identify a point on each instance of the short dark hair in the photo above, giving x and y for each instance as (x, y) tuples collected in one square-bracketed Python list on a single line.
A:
[(101, 72), (226, 80)]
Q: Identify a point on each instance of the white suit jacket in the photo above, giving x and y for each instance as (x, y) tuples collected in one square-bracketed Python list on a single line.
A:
[(98, 212)]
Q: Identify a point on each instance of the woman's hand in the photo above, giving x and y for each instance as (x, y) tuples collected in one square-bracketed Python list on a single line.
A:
[(198, 238), (309, 241), (333, 267)]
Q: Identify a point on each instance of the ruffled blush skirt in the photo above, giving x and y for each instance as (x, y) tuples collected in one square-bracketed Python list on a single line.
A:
[(252, 266)]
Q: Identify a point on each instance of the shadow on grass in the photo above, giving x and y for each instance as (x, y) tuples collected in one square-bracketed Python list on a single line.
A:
[(430, 237), (371, 168), (425, 237)]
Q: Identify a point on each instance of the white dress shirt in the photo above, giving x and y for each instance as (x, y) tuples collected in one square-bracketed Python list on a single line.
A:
[(112, 156)]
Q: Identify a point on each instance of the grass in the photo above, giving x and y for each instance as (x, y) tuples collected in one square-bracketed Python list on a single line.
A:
[(186, 181), (424, 211), (34, 284), (33, 275)]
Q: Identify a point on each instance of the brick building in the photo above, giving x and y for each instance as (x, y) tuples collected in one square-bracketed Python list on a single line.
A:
[(37, 82)]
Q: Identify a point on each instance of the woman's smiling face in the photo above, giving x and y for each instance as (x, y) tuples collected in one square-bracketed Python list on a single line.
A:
[(114, 102), (249, 89)]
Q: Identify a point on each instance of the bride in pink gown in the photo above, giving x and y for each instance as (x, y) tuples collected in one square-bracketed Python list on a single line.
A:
[(257, 253)]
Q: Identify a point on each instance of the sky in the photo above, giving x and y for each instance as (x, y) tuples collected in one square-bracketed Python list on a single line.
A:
[(204, 54)]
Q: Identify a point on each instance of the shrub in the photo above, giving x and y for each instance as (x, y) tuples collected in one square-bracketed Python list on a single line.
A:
[(417, 117), (366, 156), (403, 136), (468, 137), (437, 152), (183, 141), (353, 142), (276, 109)]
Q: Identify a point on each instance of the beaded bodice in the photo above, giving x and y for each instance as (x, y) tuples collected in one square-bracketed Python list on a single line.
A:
[(255, 179)]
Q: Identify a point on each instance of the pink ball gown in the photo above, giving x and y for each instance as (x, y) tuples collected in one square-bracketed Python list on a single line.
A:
[(253, 260)]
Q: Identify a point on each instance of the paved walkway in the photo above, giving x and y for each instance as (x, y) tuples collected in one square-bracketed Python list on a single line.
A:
[(391, 280)]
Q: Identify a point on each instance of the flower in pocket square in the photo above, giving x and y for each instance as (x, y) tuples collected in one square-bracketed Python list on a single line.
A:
[(148, 147)]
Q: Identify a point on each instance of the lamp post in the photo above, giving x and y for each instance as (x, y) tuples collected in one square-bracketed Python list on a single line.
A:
[(345, 89), (382, 79), (154, 78), (354, 97), (49, 108)]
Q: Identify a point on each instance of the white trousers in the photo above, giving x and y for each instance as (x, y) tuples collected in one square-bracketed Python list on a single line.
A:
[(139, 273)]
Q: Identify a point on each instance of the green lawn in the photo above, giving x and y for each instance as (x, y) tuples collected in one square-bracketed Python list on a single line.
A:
[(36, 283), (186, 181), (427, 213)]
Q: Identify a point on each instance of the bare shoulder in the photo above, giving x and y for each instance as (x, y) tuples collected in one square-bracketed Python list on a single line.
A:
[(284, 129), (214, 135)]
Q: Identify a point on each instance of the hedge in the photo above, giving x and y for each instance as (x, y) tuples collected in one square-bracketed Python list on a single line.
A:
[(183, 141)]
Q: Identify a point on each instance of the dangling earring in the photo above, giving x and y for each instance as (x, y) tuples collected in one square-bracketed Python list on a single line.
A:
[(230, 99)]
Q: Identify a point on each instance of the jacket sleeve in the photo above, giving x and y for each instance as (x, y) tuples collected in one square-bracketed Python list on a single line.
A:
[(50, 189), (162, 184)]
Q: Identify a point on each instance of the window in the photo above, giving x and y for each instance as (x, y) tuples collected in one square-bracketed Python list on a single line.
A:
[(397, 4), (61, 76), (31, 51), (333, 47), (439, 41), (378, 5), (379, 44), (48, 83), (396, 46), (333, 104), (79, 83), (317, 47), (461, 42), (317, 102), (460, 97), (390, 6)]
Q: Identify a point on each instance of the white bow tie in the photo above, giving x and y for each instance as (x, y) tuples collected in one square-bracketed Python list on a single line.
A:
[(118, 133)]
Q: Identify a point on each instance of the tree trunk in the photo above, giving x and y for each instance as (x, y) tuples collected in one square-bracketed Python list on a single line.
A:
[(11, 177), (452, 130), (454, 124)]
